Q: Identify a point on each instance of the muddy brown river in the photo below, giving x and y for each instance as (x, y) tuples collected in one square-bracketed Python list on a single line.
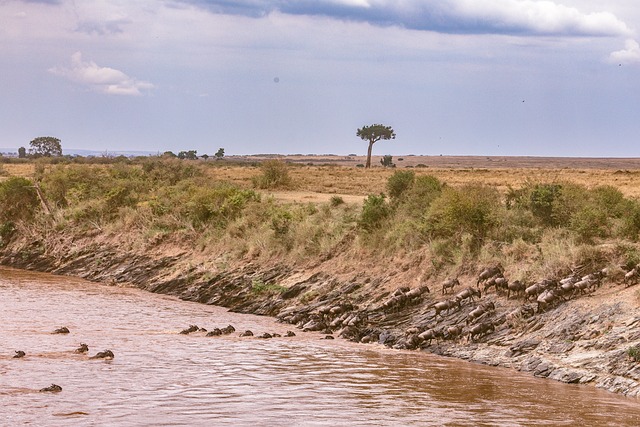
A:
[(159, 377)]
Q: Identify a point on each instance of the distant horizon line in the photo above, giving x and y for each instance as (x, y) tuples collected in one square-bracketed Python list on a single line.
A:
[(71, 151)]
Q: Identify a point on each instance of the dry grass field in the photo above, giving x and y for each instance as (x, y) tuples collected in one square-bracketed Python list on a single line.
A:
[(316, 178)]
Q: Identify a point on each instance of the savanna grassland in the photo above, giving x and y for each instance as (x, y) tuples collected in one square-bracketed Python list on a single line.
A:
[(329, 246), (446, 215)]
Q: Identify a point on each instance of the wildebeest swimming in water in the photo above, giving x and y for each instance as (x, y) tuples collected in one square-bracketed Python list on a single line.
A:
[(107, 354), (191, 328), (19, 354), (52, 388), (63, 330), (82, 349)]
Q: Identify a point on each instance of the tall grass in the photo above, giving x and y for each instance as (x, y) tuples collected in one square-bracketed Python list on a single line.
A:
[(539, 228)]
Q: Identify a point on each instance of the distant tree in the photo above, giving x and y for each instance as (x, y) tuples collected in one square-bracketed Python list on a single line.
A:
[(169, 154), (22, 152), (387, 161), (188, 155), (205, 157), (45, 146), (219, 154), (373, 134)]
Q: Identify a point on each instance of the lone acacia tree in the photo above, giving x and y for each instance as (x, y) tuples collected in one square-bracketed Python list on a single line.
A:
[(45, 146), (373, 134)]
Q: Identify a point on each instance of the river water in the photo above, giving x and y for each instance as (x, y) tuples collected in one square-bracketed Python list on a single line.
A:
[(160, 377)]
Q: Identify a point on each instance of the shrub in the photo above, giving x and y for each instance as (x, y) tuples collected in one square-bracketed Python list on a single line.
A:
[(260, 287), (387, 161), (634, 353), (217, 205), (18, 200), (275, 174), (169, 170), (630, 223), (336, 201), (469, 209), (590, 222), (281, 220), (424, 190), (399, 183), (375, 211)]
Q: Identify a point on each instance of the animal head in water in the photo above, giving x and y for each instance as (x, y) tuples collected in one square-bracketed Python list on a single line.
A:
[(82, 349)]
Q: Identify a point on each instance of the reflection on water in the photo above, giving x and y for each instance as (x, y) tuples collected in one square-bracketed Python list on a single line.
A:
[(159, 377)]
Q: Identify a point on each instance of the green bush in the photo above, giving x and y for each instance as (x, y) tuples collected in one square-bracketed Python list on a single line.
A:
[(589, 223), (629, 227), (218, 205), (399, 183), (260, 287), (634, 353), (375, 211), (169, 170), (275, 174), (18, 200), (424, 190), (471, 209), (281, 221)]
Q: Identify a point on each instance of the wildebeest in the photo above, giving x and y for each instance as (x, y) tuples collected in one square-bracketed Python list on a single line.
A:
[(418, 292), (82, 349), (467, 293), (538, 287), (631, 277), (63, 330), (191, 328), (488, 273), (449, 285), (431, 334), (445, 305), (517, 287), (546, 298), (481, 330), (107, 354), (53, 388), (585, 285), (479, 311), (453, 332), (19, 354)]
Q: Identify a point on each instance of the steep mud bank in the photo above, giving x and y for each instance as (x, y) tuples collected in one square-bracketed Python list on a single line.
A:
[(583, 337)]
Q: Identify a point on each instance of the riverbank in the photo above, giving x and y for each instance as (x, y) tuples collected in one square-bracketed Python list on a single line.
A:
[(583, 340), (360, 254)]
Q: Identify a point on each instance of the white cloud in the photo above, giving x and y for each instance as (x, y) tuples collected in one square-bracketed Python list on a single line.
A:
[(629, 55), (539, 17), (519, 17), (101, 79)]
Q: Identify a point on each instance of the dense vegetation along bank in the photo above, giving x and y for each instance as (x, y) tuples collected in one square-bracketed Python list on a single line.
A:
[(371, 272)]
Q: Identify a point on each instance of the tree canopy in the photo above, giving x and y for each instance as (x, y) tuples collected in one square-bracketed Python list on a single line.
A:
[(373, 134), (45, 146)]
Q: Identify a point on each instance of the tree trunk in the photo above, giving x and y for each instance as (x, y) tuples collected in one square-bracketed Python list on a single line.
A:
[(368, 165)]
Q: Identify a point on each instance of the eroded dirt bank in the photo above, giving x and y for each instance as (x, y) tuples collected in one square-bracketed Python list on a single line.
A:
[(585, 339)]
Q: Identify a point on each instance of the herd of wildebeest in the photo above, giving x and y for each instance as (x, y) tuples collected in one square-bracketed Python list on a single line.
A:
[(82, 349), (460, 313)]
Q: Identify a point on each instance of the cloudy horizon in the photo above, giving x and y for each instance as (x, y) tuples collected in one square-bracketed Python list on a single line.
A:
[(453, 77)]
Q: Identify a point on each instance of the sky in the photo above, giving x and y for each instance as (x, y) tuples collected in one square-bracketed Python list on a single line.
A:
[(452, 77)]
